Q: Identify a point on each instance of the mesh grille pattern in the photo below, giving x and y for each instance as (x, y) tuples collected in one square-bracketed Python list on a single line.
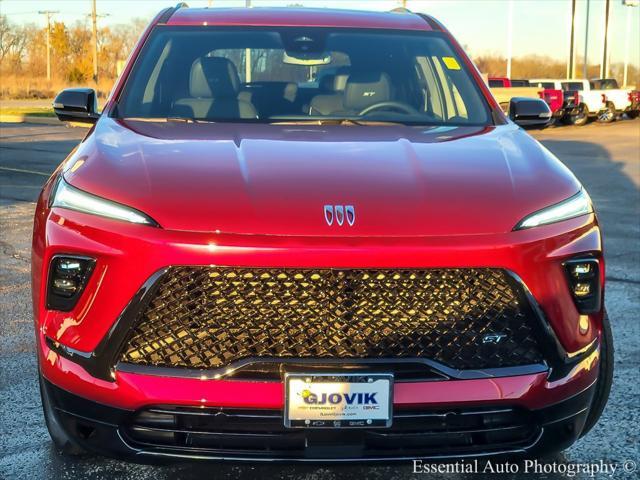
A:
[(209, 317)]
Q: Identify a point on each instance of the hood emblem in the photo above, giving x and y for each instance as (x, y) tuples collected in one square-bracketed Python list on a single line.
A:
[(340, 214)]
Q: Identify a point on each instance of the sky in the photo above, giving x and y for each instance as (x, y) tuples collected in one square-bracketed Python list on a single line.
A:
[(539, 26)]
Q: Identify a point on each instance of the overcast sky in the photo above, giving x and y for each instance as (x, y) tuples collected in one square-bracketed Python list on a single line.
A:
[(539, 26)]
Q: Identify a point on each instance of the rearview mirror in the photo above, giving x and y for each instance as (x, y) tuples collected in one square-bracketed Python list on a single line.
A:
[(76, 105), (529, 112), (306, 59)]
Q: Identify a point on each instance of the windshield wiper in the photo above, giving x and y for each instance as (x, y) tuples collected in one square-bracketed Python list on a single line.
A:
[(167, 119), (333, 121)]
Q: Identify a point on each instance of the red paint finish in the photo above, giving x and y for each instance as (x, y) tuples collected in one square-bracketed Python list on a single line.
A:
[(131, 254), (253, 195), (403, 181), (133, 391), (504, 81), (285, 17)]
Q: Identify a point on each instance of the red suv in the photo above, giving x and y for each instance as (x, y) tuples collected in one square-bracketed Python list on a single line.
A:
[(300, 235)]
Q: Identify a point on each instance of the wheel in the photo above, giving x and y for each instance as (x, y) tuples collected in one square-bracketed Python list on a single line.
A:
[(607, 115), (633, 114), (579, 119), (60, 438), (605, 377)]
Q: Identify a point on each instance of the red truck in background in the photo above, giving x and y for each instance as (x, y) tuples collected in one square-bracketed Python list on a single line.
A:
[(522, 88), (504, 82)]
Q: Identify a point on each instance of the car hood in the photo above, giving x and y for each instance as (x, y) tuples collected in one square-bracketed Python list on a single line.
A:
[(277, 179)]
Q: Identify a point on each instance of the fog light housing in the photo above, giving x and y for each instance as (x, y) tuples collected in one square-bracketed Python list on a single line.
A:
[(584, 283), (68, 275)]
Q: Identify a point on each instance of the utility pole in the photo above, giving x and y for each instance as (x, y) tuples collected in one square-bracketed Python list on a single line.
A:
[(94, 37), (628, 3), (572, 43), (94, 30), (585, 65), (604, 67), (509, 38), (48, 13)]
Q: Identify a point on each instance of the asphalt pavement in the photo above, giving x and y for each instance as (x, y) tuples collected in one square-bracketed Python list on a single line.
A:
[(606, 158)]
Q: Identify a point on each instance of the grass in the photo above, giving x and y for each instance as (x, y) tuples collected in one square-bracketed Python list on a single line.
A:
[(27, 111)]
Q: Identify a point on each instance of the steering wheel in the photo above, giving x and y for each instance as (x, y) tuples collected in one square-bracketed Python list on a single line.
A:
[(389, 105)]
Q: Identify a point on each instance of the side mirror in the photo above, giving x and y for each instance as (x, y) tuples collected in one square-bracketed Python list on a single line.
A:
[(529, 112), (76, 105)]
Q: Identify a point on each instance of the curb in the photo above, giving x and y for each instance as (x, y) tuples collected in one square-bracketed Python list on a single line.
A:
[(37, 120)]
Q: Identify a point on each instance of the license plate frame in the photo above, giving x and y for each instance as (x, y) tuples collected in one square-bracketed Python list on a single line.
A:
[(335, 418)]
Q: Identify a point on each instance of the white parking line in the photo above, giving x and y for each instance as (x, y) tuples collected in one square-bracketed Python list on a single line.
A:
[(21, 170)]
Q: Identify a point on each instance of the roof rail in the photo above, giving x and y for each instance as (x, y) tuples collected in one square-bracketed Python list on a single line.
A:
[(427, 18), (433, 23), (166, 15)]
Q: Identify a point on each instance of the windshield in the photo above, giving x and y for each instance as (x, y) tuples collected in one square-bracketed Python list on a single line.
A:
[(547, 85), (301, 75), (605, 84), (572, 85)]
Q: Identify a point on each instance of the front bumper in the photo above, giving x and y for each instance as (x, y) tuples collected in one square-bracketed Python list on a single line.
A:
[(128, 257), (435, 434)]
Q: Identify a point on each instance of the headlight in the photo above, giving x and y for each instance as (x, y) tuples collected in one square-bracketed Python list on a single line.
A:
[(579, 204), (66, 196)]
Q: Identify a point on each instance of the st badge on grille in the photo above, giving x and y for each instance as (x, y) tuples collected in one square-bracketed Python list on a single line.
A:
[(340, 213)]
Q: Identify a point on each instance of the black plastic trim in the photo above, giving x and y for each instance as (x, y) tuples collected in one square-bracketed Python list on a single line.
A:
[(593, 302), (101, 362), (558, 426), (431, 22), (166, 15), (66, 304), (560, 361), (440, 371)]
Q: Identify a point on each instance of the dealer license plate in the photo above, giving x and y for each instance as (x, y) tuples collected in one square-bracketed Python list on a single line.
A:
[(338, 400)]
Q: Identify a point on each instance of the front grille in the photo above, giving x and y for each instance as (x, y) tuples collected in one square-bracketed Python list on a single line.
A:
[(211, 317), (261, 433)]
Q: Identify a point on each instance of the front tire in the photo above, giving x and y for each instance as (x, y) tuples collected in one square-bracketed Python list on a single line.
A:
[(605, 377), (60, 438)]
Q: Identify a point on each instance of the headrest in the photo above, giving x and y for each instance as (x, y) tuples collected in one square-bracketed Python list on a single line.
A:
[(213, 77), (335, 82), (326, 83), (366, 88), (290, 91)]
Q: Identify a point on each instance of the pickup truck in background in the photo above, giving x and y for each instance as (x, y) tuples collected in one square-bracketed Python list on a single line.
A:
[(504, 89), (504, 82), (630, 98), (573, 112), (602, 99)]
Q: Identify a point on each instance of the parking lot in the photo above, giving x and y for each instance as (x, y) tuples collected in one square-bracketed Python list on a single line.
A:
[(606, 158)]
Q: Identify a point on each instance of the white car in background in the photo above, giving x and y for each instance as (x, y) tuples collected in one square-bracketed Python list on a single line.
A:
[(600, 98)]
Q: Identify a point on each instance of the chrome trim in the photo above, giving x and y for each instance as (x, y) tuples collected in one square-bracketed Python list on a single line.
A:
[(341, 214), (351, 214)]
